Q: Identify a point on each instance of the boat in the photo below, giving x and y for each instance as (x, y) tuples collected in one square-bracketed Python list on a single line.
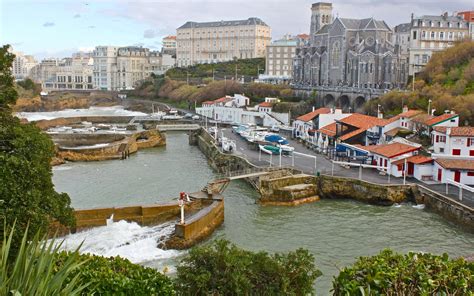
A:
[(287, 149), (269, 149), (228, 145), (272, 138)]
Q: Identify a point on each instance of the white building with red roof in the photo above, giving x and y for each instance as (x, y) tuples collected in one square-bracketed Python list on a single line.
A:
[(453, 150)]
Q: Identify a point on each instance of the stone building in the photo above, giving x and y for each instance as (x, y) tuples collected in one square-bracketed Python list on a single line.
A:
[(220, 41), (118, 68), (279, 59), (348, 52), (431, 33), (22, 65)]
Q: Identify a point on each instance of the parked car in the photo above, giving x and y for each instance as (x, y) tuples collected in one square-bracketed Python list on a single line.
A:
[(195, 117), (188, 115)]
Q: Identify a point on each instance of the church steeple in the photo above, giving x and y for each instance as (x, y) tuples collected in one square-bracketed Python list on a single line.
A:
[(321, 14)]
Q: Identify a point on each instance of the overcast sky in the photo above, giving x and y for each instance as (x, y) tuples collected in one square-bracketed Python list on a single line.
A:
[(57, 28)]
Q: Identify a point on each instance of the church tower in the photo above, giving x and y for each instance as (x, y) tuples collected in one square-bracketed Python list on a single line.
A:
[(321, 14)]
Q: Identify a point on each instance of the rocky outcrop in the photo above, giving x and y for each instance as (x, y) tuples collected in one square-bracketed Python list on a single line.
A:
[(119, 149), (56, 101)]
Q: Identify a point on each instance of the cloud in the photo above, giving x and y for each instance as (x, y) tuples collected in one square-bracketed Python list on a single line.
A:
[(91, 27), (150, 34), (85, 48), (48, 24), (77, 15)]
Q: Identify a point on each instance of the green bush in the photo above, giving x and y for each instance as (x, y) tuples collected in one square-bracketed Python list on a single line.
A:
[(34, 269), (389, 273), (118, 276), (224, 269)]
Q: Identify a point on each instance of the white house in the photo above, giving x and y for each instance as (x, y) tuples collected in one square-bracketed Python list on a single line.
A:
[(455, 169), (455, 141), (418, 166), (424, 123), (309, 121), (234, 115), (386, 156), (229, 101)]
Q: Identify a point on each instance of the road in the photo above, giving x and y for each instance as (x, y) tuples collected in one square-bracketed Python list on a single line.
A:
[(323, 165)]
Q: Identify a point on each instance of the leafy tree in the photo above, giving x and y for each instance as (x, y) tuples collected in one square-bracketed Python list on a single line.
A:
[(27, 193), (389, 273), (8, 93), (224, 269), (117, 276), (34, 270)]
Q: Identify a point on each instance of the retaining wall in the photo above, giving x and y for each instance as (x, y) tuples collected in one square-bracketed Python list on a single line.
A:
[(198, 227), (116, 150), (46, 124)]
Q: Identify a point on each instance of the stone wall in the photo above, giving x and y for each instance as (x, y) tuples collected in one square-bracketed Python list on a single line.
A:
[(337, 187), (143, 215), (46, 124), (198, 227), (115, 150), (449, 208)]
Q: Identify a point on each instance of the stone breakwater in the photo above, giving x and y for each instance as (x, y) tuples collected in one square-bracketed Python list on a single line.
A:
[(117, 146), (288, 187)]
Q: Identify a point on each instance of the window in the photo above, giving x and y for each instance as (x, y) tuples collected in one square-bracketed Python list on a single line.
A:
[(441, 150), (414, 35), (470, 174), (456, 151), (433, 35)]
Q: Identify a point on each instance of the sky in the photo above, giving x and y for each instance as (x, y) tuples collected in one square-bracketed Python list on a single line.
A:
[(58, 28)]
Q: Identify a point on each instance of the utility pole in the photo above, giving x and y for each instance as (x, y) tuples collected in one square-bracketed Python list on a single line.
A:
[(429, 107)]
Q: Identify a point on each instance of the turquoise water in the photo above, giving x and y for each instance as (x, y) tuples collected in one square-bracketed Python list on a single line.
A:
[(336, 232)]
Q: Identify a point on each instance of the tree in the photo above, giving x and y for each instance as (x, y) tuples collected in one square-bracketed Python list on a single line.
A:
[(389, 273), (8, 93), (27, 193), (224, 269)]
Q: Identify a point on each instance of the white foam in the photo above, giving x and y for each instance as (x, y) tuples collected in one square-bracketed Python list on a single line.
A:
[(128, 240), (419, 207), (92, 111)]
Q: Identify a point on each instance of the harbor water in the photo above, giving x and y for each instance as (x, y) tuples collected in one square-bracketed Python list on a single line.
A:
[(335, 231)]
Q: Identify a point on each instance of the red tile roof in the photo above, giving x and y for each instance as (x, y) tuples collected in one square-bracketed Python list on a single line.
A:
[(363, 121), (416, 159), (303, 36), (390, 150), (456, 164), (410, 113), (311, 115), (465, 131), (223, 100), (329, 130), (265, 104), (352, 134), (394, 131), (439, 119), (208, 103), (170, 37)]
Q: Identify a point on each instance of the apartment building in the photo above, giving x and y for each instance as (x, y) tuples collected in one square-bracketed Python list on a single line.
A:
[(430, 33), (279, 59), (22, 65), (117, 68), (45, 71), (169, 45), (212, 42), (468, 16)]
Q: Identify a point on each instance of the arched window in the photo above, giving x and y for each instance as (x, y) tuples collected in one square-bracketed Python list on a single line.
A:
[(335, 54)]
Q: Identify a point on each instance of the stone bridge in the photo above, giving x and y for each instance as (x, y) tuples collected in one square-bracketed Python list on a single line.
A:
[(347, 98)]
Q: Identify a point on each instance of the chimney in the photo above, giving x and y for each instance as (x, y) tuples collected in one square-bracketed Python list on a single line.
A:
[(338, 111), (405, 109), (452, 112), (448, 131), (380, 115), (313, 108)]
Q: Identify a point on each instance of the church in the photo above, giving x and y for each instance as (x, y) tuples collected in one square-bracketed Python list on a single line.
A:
[(349, 52)]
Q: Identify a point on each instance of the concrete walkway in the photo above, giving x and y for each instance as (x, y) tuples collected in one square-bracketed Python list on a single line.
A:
[(325, 166)]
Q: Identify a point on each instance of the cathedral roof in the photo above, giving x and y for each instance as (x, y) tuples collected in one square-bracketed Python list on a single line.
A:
[(364, 24), (323, 30)]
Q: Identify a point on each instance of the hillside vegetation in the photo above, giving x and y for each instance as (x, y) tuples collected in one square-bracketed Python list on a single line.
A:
[(245, 67), (447, 80)]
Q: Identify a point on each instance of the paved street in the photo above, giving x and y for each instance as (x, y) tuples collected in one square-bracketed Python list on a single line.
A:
[(325, 166)]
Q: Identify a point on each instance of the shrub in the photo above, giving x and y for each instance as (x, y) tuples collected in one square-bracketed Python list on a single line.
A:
[(389, 273), (118, 276), (224, 269), (34, 269)]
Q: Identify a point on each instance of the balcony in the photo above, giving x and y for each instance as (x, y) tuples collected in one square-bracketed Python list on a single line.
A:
[(373, 135)]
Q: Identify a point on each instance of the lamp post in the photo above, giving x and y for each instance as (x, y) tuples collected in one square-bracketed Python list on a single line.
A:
[(429, 107)]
